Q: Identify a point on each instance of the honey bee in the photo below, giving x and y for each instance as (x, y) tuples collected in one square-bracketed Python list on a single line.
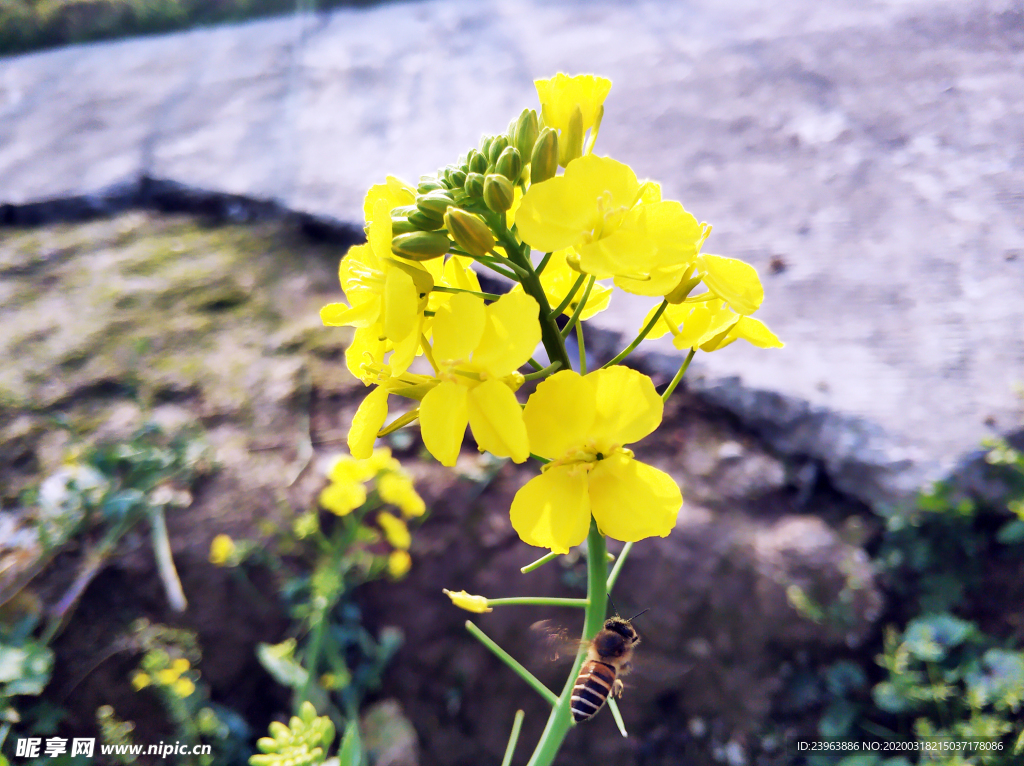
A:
[(609, 657)]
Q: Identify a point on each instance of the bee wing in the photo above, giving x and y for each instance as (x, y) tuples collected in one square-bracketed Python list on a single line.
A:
[(556, 641)]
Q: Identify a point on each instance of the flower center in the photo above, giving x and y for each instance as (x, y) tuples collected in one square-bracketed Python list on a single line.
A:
[(607, 220), (585, 457)]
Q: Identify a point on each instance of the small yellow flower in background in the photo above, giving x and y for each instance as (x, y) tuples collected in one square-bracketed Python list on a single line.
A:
[(572, 106), (397, 489), (470, 603), (349, 470), (183, 687), (305, 525), (222, 550), (395, 530), (342, 498), (181, 665), (381, 460), (141, 681), (167, 676), (477, 349), (582, 423), (399, 563)]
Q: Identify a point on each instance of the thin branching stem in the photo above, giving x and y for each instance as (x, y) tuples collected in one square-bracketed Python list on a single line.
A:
[(456, 290), (538, 601), (614, 707), (582, 347), (513, 738), (549, 370), (643, 334), (557, 311), (679, 375), (540, 562), (618, 566), (509, 660), (543, 264), (579, 308)]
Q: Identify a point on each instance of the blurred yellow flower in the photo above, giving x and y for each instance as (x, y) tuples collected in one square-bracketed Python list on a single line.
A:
[(183, 688), (222, 550), (399, 562), (141, 681), (470, 603), (397, 489), (341, 498), (395, 530)]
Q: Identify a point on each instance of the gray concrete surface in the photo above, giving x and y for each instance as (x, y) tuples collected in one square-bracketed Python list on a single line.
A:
[(874, 149)]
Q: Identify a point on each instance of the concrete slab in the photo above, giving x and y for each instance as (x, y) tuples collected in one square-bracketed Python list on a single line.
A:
[(873, 152)]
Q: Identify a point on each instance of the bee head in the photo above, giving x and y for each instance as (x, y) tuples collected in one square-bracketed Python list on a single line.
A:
[(623, 628)]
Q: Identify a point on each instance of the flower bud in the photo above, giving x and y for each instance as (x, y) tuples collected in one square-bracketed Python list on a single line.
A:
[(402, 225), (544, 160), (434, 203), (421, 245), (572, 260), (477, 162), (474, 185), (485, 145), (526, 132), (509, 164), (469, 231), (468, 601), (497, 147), (570, 146), (457, 178), (429, 184), (498, 192), (425, 221)]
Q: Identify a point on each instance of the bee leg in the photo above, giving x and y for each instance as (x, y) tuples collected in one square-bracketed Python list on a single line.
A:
[(617, 688)]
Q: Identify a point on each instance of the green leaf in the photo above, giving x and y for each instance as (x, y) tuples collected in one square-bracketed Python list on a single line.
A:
[(890, 699), (930, 638), (838, 718), (843, 677), (1011, 533), (351, 751)]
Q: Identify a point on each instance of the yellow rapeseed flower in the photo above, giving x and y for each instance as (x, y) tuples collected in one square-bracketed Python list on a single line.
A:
[(222, 550), (617, 225), (582, 423), (341, 498), (183, 688), (470, 603), (477, 349), (395, 530), (572, 106), (397, 489), (399, 563), (141, 681), (709, 325), (167, 676)]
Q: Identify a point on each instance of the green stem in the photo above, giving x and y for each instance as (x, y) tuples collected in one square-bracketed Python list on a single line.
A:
[(550, 336), (495, 265), (312, 659), (579, 308), (618, 566), (456, 290), (550, 369), (540, 562), (513, 738), (560, 718), (583, 348), (507, 658), (538, 601), (557, 311), (679, 375), (534, 363), (614, 707), (543, 264), (643, 334)]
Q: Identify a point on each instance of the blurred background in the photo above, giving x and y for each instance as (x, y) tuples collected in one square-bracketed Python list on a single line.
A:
[(178, 181)]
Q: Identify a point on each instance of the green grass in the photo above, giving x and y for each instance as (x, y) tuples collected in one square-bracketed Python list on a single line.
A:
[(33, 24)]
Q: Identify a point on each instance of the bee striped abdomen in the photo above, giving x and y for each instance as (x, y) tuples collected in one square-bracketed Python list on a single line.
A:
[(593, 685)]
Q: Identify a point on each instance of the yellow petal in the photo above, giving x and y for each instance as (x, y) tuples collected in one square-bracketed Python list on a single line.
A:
[(368, 420), (706, 321), (627, 406), (444, 415), (496, 420), (732, 280), (458, 327), (561, 94), (342, 499), (632, 500), (559, 413), (366, 350), (511, 334), (553, 509), (401, 310), (359, 315), (378, 233), (749, 329), (394, 192), (399, 563)]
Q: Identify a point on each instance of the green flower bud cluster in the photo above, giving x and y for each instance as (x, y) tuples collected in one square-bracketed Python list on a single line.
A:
[(303, 742)]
